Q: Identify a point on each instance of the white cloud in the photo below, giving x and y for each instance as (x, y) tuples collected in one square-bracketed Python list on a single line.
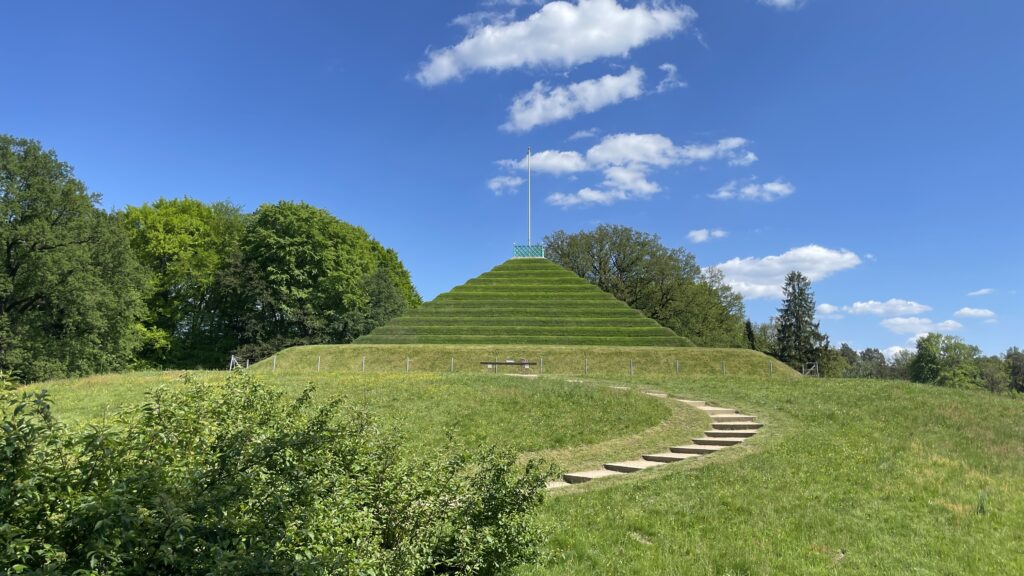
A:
[(626, 161), (982, 292), (544, 105), (559, 35), (745, 160), (582, 134), (891, 307), (703, 235), (828, 309), (764, 277), (551, 162), (919, 326), (505, 184), (784, 4), (974, 313), (892, 351), (767, 192), (476, 20), (671, 79), (586, 196)]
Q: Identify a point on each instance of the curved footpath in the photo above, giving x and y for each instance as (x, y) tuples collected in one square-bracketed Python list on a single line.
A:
[(728, 428)]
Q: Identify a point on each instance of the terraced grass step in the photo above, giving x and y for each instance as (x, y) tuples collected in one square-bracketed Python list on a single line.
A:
[(674, 341), (423, 321), (546, 330), (631, 466)]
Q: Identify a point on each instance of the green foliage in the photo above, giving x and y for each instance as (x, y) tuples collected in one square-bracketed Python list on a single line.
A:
[(665, 284), (1014, 359), (302, 278), (229, 479), (799, 338), (187, 246), (70, 289), (945, 361)]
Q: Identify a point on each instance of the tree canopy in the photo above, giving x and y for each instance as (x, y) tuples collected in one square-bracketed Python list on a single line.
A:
[(71, 292), (664, 283), (799, 338)]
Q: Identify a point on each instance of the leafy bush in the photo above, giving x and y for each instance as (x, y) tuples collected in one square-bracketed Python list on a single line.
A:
[(230, 479)]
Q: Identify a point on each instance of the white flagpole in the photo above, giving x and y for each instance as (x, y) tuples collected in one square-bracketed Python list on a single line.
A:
[(529, 208)]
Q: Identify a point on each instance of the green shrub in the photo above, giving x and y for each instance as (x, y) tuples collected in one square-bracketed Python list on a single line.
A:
[(230, 479)]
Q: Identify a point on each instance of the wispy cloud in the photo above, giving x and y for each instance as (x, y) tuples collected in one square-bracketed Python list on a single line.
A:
[(982, 292), (671, 80), (918, 326), (784, 4), (764, 192), (501, 185), (974, 313), (583, 134), (559, 35), (545, 105), (891, 307), (704, 235), (764, 277)]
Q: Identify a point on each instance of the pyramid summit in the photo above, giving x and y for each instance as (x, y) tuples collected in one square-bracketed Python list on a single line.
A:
[(525, 301)]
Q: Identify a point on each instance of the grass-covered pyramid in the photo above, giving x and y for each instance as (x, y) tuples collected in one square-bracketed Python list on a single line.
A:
[(525, 301)]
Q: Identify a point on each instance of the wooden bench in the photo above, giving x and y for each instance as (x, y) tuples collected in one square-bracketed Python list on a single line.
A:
[(521, 363)]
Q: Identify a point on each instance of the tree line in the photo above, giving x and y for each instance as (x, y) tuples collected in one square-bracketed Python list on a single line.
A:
[(794, 336), (174, 283)]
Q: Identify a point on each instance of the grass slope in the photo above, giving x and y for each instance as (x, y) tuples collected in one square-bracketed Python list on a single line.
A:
[(525, 301), (848, 477), (593, 361)]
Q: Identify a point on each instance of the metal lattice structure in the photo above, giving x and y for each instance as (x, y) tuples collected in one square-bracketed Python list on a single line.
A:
[(527, 251)]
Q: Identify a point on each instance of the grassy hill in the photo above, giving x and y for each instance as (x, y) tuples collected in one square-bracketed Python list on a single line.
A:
[(526, 301), (847, 476)]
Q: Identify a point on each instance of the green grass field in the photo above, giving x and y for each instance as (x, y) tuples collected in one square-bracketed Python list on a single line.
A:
[(847, 477), (596, 361), (525, 301)]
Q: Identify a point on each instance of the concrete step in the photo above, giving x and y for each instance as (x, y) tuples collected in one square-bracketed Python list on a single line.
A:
[(732, 418), (668, 457), (718, 441), (730, 433), (632, 465), (587, 476), (556, 484), (735, 425), (696, 449), (657, 394), (618, 387), (715, 410), (694, 403)]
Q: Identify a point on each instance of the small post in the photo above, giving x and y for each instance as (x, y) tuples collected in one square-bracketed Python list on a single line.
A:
[(630, 366), (453, 363), (364, 363), (495, 365), (407, 362), (247, 363), (586, 367), (317, 363), (771, 368), (274, 368), (723, 367), (541, 364), (677, 367)]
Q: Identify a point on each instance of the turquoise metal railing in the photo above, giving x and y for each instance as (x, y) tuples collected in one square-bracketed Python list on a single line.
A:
[(531, 251)]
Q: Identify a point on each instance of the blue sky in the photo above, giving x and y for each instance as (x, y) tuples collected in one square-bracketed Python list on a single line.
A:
[(874, 145)]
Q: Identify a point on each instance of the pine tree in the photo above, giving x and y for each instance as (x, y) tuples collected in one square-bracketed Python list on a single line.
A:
[(799, 338), (751, 338)]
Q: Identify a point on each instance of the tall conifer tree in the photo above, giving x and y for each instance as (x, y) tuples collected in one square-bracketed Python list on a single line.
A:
[(799, 337)]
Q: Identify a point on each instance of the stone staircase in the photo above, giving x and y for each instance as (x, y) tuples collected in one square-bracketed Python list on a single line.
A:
[(728, 428)]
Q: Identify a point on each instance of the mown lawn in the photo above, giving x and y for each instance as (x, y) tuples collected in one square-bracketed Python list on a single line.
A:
[(848, 477), (541, 417)]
